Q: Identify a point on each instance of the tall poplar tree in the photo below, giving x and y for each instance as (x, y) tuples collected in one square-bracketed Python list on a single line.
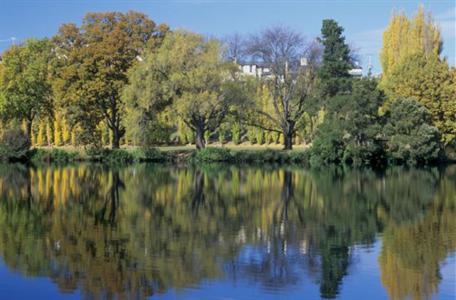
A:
[(404, 37), (427, 79), (413, 68)]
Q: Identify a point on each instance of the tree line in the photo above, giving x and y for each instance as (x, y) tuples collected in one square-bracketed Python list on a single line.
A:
[(120, 78)]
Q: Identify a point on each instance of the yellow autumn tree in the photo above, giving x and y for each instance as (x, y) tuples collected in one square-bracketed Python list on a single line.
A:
[(57, 130), (404, 37), (49, 134), (427, 79), (413, 68), (66, 134), (40, 139)]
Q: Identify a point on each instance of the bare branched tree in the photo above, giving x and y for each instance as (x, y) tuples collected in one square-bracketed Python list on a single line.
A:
[(292, 63), (234, 47)]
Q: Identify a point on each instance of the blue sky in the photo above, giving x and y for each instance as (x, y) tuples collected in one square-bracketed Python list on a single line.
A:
[(363, 20)]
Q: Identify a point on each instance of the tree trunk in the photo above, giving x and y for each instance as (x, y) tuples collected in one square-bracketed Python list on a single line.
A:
[(287, 193), (288, 144), (115, 138), (114, 124), (28, 131), (111, 202), (198, 197), (288, 133), (199, 138), (116, 183)]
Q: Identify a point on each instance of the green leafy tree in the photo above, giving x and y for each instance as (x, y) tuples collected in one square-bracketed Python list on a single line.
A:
[(188, 76), (14, 144), (410, 134), (96, 58), (25, 91), (351, 131), (336, 62)]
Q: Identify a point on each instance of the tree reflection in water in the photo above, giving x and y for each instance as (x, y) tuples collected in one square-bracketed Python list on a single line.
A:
[(137, 231)]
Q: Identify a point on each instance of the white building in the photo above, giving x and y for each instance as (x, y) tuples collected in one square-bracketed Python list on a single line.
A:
[(356, 72), (254, 69), (261, 70)]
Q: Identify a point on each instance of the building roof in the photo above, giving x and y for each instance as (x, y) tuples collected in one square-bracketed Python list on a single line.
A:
[(251, 63)]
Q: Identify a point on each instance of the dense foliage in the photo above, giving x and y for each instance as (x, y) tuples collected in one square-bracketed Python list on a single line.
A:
[(14, 143), (410, 134), (412, 67), (427, 79), (333, 73), (188, 74), (351, 131), (96, 59), (25, 92)]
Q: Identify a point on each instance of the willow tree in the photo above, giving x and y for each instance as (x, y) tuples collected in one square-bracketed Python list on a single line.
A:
[(291, 82), (95, 59), (187, 76), (25, 92)]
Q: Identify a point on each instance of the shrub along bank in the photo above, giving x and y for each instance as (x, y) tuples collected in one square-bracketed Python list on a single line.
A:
[(124, 156), (207, 155)]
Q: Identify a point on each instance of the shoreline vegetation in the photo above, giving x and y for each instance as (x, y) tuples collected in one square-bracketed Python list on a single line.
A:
[(230, 154), (120, 79), (167, 154)]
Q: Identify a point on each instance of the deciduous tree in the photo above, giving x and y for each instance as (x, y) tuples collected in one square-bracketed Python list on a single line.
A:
[(25, 91), (96, 59), (189, 76), (404, 37), (427, 79), (291, 84)]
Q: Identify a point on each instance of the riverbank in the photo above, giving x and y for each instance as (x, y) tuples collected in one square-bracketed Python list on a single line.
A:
[(172, 154), (179, 154)]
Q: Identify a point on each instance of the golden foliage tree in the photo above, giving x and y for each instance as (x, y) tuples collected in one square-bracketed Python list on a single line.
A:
[(404, 37), (430, 82), (413, 68)]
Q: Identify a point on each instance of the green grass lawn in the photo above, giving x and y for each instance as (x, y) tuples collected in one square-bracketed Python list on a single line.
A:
[(231, 146)]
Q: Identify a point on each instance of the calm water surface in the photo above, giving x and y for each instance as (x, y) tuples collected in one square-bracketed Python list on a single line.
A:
[(219, 232)]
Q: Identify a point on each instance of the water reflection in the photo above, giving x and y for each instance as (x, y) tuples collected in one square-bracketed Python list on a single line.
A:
[(140, 231)]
